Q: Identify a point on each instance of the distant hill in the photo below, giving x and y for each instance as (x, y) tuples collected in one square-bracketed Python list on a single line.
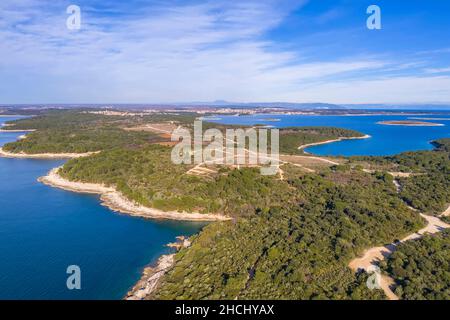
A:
[(286, 105), (422, 107)]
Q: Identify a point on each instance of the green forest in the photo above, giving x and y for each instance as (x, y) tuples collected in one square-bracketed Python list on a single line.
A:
[(421, 268), (79, 141), (77, 131), (292, 138), (429, 191), (299, 250)]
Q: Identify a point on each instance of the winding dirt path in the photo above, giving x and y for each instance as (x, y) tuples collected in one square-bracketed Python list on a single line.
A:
[(446, 212), (15, 131), (371, 257), (374, 255)]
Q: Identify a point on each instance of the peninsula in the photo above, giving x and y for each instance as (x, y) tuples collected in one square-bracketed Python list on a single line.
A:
[(410, 123), (301, 227)]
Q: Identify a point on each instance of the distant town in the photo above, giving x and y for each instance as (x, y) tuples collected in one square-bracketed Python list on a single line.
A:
[(229, 109)]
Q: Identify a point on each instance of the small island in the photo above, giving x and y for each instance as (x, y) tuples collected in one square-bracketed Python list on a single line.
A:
[(410, 123)]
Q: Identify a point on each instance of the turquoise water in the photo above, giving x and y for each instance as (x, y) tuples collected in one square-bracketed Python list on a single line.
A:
[(385, 140), (43, 230)]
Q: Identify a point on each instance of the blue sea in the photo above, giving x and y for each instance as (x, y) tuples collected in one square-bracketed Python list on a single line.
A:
[(43, 230), (384, 140)]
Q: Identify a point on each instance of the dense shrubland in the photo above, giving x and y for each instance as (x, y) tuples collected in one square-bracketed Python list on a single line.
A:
[(428, 189), (429, 193), (292, 138), (76, 131), (148, 176), (79, 141), (421, 268), (83, 119), (299, 250)]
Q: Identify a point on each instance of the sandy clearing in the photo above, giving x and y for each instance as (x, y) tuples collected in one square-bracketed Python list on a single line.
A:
[(395, 174), (166, 128), (307, 160), (385, 283), (434, 225), (401, 174)]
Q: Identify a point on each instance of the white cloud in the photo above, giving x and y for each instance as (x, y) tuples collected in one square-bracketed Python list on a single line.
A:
[(214, 50), (437, 70), (411, 89)]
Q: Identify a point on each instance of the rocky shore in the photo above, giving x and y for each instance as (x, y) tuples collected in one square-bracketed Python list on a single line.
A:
[(114, 200), (152, 275), (304, 146)]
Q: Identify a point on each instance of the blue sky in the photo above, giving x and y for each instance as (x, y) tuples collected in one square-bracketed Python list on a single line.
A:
[(166, 51)]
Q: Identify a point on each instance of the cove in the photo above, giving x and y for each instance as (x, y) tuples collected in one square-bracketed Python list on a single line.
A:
[(43, 230)]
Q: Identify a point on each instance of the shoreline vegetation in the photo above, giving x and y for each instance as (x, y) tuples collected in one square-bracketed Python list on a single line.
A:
[(303, 147), (116, 201), (14, 130), (277, 231), (294, 139), (153, 274), (430, 256), (7, 154)]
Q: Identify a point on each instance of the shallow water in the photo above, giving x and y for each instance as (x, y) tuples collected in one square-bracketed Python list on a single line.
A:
[(43, 230)]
